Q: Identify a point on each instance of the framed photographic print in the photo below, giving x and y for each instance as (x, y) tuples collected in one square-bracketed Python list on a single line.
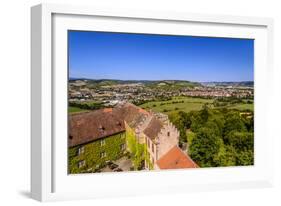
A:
[(135, 102)]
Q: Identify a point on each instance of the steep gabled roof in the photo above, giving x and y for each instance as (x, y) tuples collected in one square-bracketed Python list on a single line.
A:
[(153, 128), (175, 159), (132, 114), (90, 126)]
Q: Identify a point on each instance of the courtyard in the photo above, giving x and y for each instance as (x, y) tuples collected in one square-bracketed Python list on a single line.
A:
[(122, 164)]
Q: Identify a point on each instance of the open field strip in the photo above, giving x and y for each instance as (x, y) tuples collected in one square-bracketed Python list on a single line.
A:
[(187, 104)]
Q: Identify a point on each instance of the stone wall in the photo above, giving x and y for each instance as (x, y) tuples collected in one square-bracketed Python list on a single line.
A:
[(167, 139)]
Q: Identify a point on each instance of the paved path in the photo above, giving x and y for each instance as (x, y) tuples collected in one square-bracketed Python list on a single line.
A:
[(124, 163)]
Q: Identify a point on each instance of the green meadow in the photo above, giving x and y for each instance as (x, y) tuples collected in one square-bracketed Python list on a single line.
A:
[(243, 107), (187, 104)]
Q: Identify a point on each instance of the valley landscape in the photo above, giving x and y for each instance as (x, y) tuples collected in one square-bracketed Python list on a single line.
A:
[(160, 96), (141, 102), (189, 106)]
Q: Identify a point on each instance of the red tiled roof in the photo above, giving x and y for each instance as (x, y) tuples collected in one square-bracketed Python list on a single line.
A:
[(90, 126), (107, 110), (175, 159)]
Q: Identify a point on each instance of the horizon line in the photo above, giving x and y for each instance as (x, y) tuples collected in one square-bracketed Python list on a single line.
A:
[(86, 78)]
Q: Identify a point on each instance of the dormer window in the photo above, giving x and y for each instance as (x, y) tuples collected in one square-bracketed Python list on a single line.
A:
[(81, 163), (122, 147), (80, 150), (101, 128), (102, 154), (119, 124), (102, 142)]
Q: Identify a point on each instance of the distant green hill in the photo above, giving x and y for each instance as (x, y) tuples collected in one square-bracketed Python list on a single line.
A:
[(173, 84), (149, 83)]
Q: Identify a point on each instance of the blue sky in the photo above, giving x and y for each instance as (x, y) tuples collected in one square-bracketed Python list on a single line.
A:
[(105, 55)]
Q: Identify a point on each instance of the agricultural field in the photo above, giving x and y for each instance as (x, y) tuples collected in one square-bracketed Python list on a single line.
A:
[(243, 107), (187, 104)]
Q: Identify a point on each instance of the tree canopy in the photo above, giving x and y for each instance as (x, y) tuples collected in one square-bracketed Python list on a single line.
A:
[(220, 137)]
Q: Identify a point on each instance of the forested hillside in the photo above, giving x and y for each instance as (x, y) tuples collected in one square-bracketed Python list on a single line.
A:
[(217, 137)]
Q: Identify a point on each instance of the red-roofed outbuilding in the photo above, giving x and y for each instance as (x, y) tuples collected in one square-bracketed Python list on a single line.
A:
[(175, 159)]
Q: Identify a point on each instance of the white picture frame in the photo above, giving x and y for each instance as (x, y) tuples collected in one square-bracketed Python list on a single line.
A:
[(49, 178)]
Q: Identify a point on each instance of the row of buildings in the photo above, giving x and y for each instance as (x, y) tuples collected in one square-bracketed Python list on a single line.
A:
[(102, 135), (138, 92)]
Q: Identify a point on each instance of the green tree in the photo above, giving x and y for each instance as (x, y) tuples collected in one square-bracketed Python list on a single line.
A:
[(182, 122), (240, 140), (204, 113), (249, 123), (219, 137), (245, 157), (226, 156), (196, 122), (205, 147), (234, 122)]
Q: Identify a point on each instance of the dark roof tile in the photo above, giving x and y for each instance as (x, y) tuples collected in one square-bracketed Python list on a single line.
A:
[(153, 128)]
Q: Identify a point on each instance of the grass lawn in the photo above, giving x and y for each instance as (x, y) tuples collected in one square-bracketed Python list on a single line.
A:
[(243, 107), (185, 104), (75, 110)]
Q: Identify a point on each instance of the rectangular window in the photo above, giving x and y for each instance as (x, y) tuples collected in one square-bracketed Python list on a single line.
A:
[(81, 163), (122, 147), (168, 134), (152, 147), (80, 150), (102, 142), (148, 143), (102, 154)]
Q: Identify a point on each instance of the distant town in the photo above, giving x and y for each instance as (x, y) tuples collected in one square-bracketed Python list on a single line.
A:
[(118, 125), (110, 92)]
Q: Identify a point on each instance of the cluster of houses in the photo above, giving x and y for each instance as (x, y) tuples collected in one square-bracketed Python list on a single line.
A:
[(99, 136), (138, 92), (123, 92), (219, 92)]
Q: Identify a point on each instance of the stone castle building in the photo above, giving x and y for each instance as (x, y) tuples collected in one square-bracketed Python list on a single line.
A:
[(154, 130)]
